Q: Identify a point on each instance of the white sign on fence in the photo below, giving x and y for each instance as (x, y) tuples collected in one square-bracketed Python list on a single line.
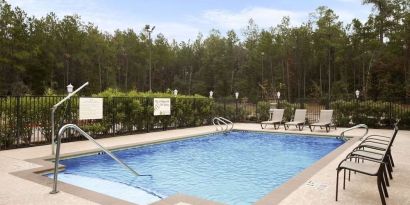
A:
[(162, 106), (91, 108)]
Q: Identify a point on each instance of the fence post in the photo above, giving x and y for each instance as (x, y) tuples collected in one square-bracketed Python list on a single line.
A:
[(256, 111), (113, 115), (390, 112), (147, 114), (18, 115), (224, 107), (236, 110)]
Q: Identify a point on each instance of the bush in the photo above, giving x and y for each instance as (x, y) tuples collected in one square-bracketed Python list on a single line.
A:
[(374, 114), (25, 121)]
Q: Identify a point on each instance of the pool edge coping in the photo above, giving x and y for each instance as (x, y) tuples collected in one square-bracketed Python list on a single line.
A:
[(273, 197)]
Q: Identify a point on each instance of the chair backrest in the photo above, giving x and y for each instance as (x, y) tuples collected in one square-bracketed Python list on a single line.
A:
[(277, 114), (300, 115), (326, 116), (396, 130)]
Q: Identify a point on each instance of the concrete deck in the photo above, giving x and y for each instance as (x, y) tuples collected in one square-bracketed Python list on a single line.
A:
[(318, 189)]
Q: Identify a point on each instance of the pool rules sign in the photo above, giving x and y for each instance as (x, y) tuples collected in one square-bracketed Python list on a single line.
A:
[(91, 108), (162, 106)]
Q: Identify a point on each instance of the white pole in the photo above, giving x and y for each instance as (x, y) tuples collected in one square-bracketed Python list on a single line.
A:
[(53, 109)]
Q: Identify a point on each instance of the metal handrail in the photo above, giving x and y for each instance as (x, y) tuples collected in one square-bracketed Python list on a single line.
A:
[(57, 155), (224, 121), (228, 121), (53, 110), (342, 134), (218, 124)]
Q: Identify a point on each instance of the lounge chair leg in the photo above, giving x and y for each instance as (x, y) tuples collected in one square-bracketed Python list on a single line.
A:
[(337, 182), (391, 159), (302, 127), (386, 180), (344, 179), (389, 168), (386, 194), (379, 186), (327, 128)]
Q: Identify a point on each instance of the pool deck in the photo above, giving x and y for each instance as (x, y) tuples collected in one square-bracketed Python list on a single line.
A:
[(310, 187)]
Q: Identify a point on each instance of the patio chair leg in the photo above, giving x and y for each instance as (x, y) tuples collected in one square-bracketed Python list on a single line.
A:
[(386, 179), (344, 179), (327, 128), (286, 128), (337, 182), (389, 168), (391, 158), (386, 194), (379, 186)]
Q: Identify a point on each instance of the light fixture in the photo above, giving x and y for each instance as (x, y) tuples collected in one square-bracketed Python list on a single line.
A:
[(357, 94), (236, 94), (211, 94), (278, 94), (70, 88), (175, 92)]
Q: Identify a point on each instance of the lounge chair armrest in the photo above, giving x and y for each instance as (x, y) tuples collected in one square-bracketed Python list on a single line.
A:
[(356, 157), (351, 153)]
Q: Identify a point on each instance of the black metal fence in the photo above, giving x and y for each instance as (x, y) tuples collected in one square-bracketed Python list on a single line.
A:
[(25, 120), (376, 114)]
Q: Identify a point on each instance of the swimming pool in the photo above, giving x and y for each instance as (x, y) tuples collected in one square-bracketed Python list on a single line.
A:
[(234, 168)]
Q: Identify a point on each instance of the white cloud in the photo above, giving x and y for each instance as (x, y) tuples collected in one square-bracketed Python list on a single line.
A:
[(105, 18), (265, 17), (108, 19), (177, 31)]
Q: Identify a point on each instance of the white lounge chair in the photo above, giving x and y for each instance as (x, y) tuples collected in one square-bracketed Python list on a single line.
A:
[(275, 118), (325, 120), (298, 119)]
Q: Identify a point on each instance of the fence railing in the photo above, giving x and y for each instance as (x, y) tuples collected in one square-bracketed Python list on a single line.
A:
[(376, 114), (25, 120)]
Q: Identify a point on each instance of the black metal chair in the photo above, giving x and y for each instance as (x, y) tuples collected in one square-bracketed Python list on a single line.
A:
[(378, 163)]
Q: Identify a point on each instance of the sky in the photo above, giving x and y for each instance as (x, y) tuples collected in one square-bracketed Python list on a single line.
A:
[(184, 19)]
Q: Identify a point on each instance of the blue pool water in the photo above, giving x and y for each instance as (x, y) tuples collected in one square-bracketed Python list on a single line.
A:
[(234, 168)]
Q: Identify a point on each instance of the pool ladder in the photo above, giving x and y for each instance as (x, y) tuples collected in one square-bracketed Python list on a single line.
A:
[(222, 124), (343, 137), (57, 155)]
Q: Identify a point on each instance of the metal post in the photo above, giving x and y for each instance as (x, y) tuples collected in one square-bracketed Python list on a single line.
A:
[(150, 62), (390, 113), (53, 109), (56, 162), (53, 151), (147, 114), (18, 108), (236, 111)]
